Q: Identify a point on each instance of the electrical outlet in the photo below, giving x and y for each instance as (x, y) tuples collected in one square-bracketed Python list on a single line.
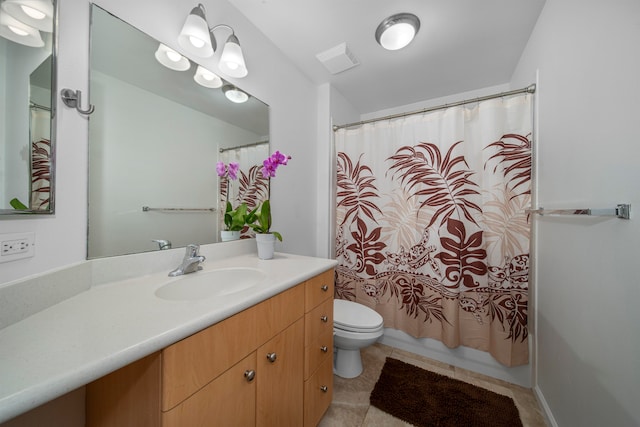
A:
[(15, 246)]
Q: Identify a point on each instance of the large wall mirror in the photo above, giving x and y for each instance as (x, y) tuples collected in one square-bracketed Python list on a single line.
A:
[(27, 109), (155, 138)]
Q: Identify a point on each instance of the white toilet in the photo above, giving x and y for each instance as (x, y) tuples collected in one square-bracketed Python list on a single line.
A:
[(355, 326)]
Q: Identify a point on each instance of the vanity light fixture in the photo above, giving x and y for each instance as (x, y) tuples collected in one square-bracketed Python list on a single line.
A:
[(171, 59), (206, 78), (34, 13), (19, 32), (196, 38), (397, 31), (234, 94)]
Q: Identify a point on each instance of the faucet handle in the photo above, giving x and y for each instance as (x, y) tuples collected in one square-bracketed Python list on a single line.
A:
[(163, 244), (192, 250)]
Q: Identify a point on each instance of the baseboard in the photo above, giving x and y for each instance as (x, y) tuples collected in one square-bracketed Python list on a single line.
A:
[(462, 357), (546, 411)]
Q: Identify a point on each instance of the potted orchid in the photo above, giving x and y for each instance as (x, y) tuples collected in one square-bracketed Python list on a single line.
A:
[(234, 219), (259, 219)]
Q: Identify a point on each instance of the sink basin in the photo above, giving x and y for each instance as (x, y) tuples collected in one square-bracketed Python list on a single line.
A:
[(207, 284)]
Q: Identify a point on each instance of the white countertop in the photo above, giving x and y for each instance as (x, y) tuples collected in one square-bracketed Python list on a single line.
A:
[(111, 325)]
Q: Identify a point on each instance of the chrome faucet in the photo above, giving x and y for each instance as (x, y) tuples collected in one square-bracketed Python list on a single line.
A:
[(163, 244), (190, 262)]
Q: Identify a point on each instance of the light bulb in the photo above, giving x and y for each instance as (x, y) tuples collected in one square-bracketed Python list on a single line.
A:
[(34, 13), (173, 56), (18, 31), (196, 42)]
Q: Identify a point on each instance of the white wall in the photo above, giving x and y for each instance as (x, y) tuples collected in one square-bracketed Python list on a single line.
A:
[(61, 238), (587, 289)]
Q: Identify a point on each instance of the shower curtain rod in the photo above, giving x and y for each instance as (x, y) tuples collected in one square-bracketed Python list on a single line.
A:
[(528, 89), (222, 150)]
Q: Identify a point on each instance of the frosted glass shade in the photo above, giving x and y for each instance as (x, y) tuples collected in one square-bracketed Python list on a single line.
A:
[(195, 37), (34, 13), (232, 60), (19, 32), (397, 31), (171, 59), (206, 78)]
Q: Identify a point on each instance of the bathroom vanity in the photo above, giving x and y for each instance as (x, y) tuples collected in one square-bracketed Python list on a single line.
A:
[(269, 365), (258, 351)]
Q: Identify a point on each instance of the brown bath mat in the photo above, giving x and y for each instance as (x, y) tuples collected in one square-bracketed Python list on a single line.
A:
[(427, 399)]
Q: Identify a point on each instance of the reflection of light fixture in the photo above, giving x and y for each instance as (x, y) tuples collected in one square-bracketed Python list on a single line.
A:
[(19, 32), (34, 13), (196, 38), (206, 78), (234, 94), (171, 59), (397, 31)]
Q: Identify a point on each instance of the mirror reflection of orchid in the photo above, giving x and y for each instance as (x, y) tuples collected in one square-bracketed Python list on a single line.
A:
[(234, 219), (259, 219)]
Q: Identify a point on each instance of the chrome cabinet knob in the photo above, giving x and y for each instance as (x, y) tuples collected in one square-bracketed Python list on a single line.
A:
[(250, 375), (325, 319), (324, 349), (272, 357), (324, 388), (325, 288)]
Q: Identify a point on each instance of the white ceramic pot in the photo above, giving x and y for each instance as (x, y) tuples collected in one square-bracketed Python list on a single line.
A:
[(226, 235), (266, 245)]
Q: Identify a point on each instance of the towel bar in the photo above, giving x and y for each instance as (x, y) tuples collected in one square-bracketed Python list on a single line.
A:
[(622, 211)]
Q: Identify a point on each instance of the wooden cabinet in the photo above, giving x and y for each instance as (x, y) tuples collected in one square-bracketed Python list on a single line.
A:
[(318, 350), (253, 368)]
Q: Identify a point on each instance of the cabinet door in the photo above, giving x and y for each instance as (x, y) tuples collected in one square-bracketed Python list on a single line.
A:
[(128, 397), (190, 364), (280, 383), (318, 391), (229, 400)]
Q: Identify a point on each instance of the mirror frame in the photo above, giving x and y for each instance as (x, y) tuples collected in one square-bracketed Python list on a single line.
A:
[(29, 213)]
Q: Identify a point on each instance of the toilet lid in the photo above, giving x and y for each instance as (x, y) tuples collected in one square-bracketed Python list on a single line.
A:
[(352, 316)]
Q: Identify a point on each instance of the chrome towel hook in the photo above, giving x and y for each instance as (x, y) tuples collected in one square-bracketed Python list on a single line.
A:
[(73, 99)]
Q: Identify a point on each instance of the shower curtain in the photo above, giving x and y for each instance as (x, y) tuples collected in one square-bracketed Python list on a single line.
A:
[(40, 159), (250, 187), (432, 230)]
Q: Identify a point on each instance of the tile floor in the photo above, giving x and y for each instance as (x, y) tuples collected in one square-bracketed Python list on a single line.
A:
[(350, 406)]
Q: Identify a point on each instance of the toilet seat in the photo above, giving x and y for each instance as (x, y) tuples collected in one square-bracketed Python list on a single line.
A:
[(354, 317)]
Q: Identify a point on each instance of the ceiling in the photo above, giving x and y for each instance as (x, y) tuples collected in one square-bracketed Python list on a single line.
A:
[(462, 45)]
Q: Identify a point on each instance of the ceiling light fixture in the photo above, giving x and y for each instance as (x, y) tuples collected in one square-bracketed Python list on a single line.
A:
[(19, 32), (206, 78), (171, 59), (34, 13), (234, 94), (397, 31), (196, 38)]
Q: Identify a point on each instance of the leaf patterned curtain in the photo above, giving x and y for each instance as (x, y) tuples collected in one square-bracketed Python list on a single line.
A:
[(250, 187), (432, 230)]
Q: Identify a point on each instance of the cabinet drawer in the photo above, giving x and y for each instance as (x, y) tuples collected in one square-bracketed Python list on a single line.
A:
[(318, 321), (277, 313), (318, 392), (317, 352), (193, 362), (227, 400), (318, 289)]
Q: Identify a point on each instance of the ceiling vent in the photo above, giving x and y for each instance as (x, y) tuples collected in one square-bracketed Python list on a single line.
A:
[(338, 59)]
